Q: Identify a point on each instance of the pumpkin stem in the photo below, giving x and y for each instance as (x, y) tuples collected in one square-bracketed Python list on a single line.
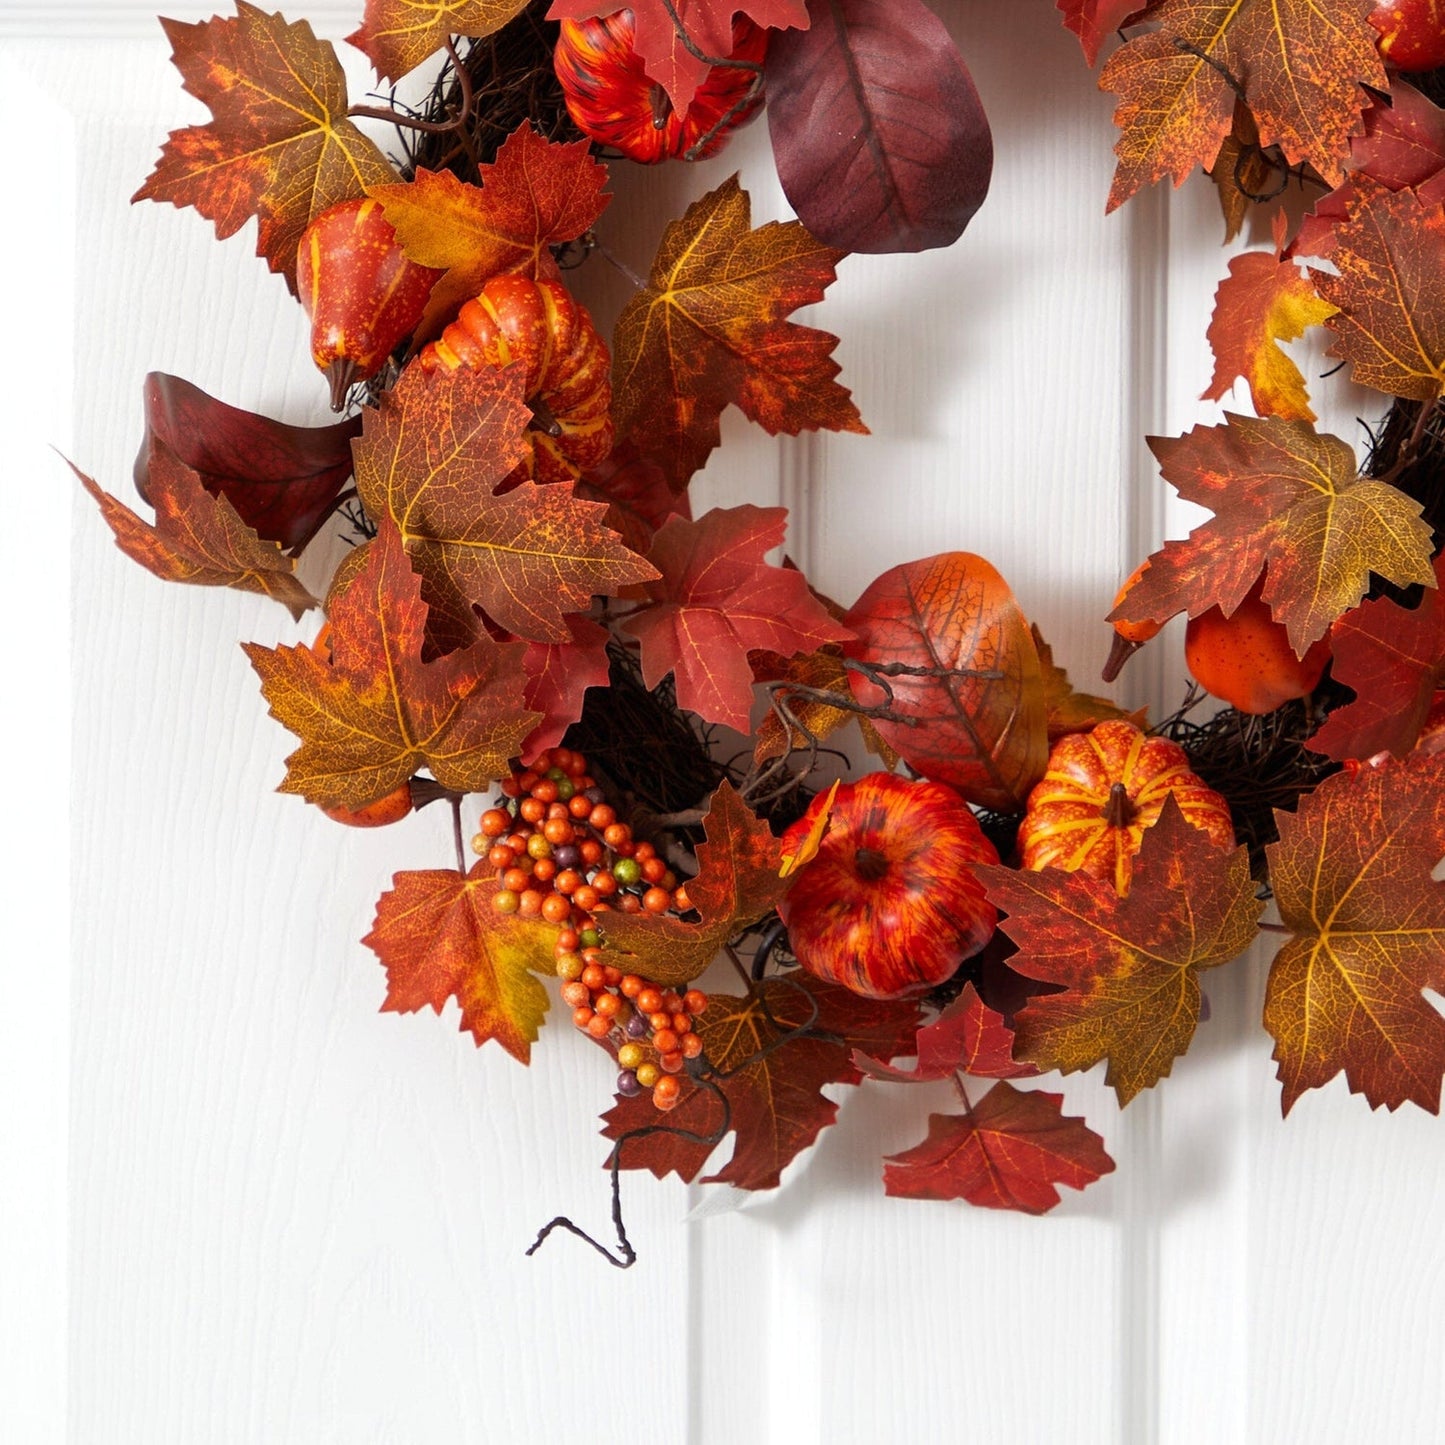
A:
[(1119, 811), (1120, 651), (544, 418), (871, 864), (661, 106)]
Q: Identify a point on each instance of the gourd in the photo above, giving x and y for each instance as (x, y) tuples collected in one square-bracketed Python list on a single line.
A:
[(888, 906), (1129, 636), (611, 98), (1412, 33), (1246, 659), (1101, 791), (536, 325), (362, 294)]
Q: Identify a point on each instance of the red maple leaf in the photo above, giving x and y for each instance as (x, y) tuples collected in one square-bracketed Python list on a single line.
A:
[(669, 60), (1008, 1151), (967, 1037), (536, 194), (439, 938), (767, 1085), (558, 674), (1352, 875), (1394, 659), (1094, 21), (715, 600)]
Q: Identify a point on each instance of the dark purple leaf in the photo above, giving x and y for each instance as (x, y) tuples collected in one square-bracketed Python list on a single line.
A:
[(880, 139), (281, 479)]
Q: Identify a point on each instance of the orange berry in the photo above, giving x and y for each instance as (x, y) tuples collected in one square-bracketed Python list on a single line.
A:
[(644, 851), (653, 869), (578, 806), (593, 976), (604, 883), (608, 1005), (500, 856), (630, 985), (558, 831), (629, 903), (666, 1091), (582, 1016), (680, 899), (681, 1022), (544, 791), (695, 1001), (602, 816), (495, 822), (569, 880), (567, 941), (529, 903), (657, 900), (649, 1000), (616, 833), (585, 897), (659, 1022), (665, 1041), (532, 810), (600, 1026), (612, 974), (516, 879), (671, 1000), (591, 851), (576, 994), (544, 870), (672, 1063), (691, 1045), (556, 908), (511, 788)]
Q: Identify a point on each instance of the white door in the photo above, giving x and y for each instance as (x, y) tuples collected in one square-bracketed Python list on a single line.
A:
[(292, 1218)]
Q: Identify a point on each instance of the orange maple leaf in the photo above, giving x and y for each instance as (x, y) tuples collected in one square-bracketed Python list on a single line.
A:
[(397, 35), (373, 712), (536, 194), (708, 329), (1285, 498), (1008, 1151), (1262, 302), (1390, 294), (197, 537), (1129, 965), (1351, 874), (737, 883), (439, 937), (279, 146), (1300, 65), (428, 458)]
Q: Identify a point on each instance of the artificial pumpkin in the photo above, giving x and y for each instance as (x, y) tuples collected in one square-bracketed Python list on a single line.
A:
[(536, 325), (1412, 33), (362, 294), (888, 905), (1246, 659), (1102, 789), (611, 98)]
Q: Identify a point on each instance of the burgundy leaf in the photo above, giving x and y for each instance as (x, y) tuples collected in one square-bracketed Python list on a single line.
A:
[(879, 135), (281, 479)]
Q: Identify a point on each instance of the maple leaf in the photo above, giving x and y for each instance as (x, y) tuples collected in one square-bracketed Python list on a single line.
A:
[(1129, 965), (639, 499), (736, 884), (1241, 171), (1070, 711), (1287, 498), (196, 537), (374, 713), (822, 672), (1299, 63), (1094, 21), (981, 723), (1390, 294), (558, 674), (715, 598), (1351, 875), (397, 35), (968, 1037), (1008, 1151), (709, 329), (430, 454), (281, 479), (772, 1083), (439, 937), (1394, 659), (278, 147), (536, 194), (1262, 302), (708, 25)]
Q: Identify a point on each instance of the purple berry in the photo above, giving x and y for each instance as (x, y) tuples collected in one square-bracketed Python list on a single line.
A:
[(627, 1084), (637, 1027), (595, 796), (567, 855)]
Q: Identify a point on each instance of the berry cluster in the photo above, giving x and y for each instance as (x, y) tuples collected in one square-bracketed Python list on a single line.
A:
[(561, 854)]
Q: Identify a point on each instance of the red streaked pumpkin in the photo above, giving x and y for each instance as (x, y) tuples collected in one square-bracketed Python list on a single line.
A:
[(1102, 789), (888, 906), (611, 98), (516, 321), (362, 294)]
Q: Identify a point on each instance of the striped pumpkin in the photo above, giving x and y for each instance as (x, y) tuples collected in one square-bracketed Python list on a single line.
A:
[(1101, 791)]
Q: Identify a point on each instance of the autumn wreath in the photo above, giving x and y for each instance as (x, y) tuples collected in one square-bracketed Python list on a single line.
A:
[(532, 628)]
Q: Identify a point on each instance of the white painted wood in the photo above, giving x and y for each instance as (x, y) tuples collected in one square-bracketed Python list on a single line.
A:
[(292, 1218)]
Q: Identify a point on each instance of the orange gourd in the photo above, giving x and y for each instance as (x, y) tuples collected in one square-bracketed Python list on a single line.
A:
[(1246, 659), (1129, 636), (1101, 791), (537, 326)]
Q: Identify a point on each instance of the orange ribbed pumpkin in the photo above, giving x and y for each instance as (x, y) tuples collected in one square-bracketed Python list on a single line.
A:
[(538, 326), (612, 100), (1101, 791)]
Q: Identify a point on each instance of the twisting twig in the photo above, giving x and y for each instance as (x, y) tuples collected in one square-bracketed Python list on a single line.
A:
[(689, 45), (748, 98), (1212, 63), (426, 127)]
